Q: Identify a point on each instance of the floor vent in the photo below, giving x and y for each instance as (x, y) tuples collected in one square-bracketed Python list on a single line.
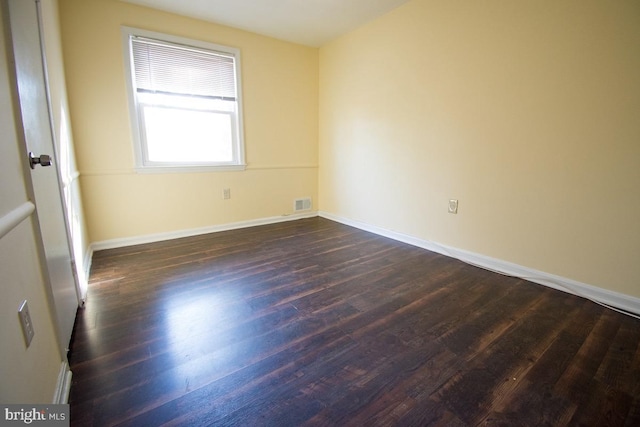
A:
[(301, 205)]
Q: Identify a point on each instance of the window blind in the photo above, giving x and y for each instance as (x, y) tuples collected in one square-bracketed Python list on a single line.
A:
[(162, 67)]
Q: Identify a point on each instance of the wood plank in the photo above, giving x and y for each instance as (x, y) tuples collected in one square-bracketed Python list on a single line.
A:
[(315, 323)]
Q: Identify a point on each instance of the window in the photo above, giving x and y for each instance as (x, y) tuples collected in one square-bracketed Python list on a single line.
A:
[(184, 98)]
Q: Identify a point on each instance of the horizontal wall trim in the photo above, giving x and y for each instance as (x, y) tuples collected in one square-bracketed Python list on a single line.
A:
[(269, 167), (605, 297), (249, 167), (71, 178), (151, 238), (108, 172), (10, 220)]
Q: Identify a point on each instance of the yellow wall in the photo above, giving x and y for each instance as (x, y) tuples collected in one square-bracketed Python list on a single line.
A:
[(527, 112), (280, 85)]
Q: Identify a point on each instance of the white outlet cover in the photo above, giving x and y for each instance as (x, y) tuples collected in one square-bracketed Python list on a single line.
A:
[(25, 322), (453, 206)]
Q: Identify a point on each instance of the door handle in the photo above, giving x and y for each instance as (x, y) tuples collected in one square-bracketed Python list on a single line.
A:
[(42, 160)]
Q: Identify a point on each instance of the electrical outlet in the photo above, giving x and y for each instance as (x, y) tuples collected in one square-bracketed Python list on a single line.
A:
[(25, 322), (226, 193), (453, 206)]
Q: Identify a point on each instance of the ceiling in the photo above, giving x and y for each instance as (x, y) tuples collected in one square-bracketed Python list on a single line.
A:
[(307, 22)]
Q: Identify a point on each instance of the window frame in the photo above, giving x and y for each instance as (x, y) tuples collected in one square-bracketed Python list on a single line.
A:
[(142, 163)]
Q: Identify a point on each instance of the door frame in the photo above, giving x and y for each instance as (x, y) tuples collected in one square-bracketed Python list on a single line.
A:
[(66, 209)]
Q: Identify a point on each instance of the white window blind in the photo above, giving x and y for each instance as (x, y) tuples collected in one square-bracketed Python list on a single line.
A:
[(161, 67), (185, 103)]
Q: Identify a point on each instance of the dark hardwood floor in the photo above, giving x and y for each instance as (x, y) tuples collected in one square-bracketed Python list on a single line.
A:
[(311, 322)]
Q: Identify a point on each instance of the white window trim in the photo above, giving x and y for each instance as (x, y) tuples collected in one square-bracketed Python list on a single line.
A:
[(148, 167)]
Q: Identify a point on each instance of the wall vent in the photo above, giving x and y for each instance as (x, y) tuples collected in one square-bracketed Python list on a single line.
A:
[(302, 204)]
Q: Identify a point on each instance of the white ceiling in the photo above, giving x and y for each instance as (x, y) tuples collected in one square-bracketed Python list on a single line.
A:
[(308, 22)]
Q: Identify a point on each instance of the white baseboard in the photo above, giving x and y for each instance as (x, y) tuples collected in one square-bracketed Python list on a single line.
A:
[(614, 299), (88, 259), (602, 296), (151, 238), (63, 385), (86, 266)]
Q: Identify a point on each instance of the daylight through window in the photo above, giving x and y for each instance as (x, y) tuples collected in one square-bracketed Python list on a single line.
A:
[(185, 102)]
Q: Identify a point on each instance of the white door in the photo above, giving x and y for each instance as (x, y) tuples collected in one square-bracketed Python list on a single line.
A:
[(34, 107)]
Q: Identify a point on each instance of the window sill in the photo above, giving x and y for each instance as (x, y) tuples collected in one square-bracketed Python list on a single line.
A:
[(188, 169)]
